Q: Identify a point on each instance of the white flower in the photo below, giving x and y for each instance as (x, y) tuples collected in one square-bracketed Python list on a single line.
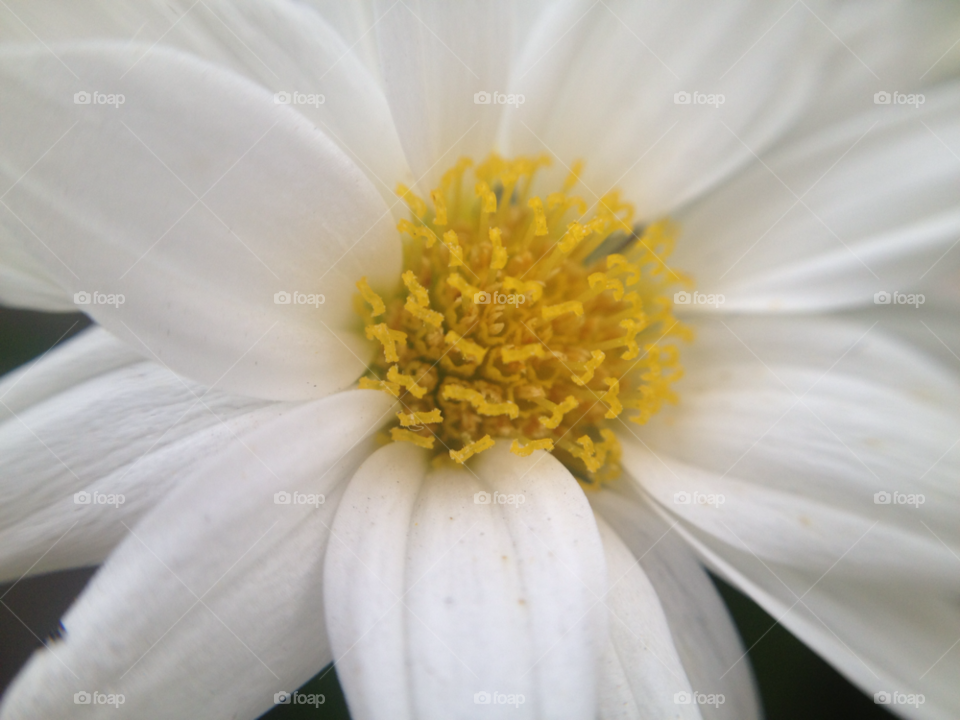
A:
[(255, 152)]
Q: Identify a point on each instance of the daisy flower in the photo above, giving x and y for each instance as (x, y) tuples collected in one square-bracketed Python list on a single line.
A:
[(451, 343)]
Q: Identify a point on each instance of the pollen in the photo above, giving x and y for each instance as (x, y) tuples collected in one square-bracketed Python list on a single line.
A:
[(544, 322)]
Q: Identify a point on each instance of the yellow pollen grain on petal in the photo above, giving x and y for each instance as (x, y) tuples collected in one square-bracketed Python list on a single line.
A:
[(420, 418), (388, 338), (530, 287), (470, 350), (527, 450), (374, 300), (499, 259), (589, 368), (387, 387), (551, 312), (488, 199), (523, 352), (610, 398), (539, 217), (461, 456), (440, 217), (454, 280), (558, 412), (416, 204), (452, 242), (600, 280), (395, 376), (401, 435)]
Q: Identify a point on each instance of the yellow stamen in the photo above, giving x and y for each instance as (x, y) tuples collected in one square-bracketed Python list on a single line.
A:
[(461, 456), (527, 450), (539, 218), (469, 350), (524, 352), (551, 312), (499, 259), (452, 242), (400, 435), (388, 387), (458, 392), (420, 418), (610, 398), (558, 412), (389, 338), (588, 369), (417, 206), (440, 217), (375, 301), (395, 376)]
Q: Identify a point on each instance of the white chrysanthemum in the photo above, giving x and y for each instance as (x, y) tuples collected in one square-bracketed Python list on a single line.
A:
[(184, 166)]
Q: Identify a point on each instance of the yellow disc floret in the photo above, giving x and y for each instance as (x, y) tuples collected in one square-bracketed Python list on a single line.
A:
[(538, 320)]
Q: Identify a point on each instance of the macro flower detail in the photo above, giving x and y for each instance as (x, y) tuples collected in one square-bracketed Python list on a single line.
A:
[(525, 319), (461, 350)]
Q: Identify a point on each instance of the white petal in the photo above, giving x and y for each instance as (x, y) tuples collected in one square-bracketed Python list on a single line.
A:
[(641, 673), (282, 46), (433, 597), (884, 636), (887, 45), (797, 440), (255, 201), (435, 56), (214, 601), (23, 281), (93, 418), (701, 627), (600, 83), (829, 221)]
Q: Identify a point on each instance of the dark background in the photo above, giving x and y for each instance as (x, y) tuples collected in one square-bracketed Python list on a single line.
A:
[(794, 683)]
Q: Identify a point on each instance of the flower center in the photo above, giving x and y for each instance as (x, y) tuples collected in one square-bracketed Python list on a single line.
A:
[(536, 320)]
